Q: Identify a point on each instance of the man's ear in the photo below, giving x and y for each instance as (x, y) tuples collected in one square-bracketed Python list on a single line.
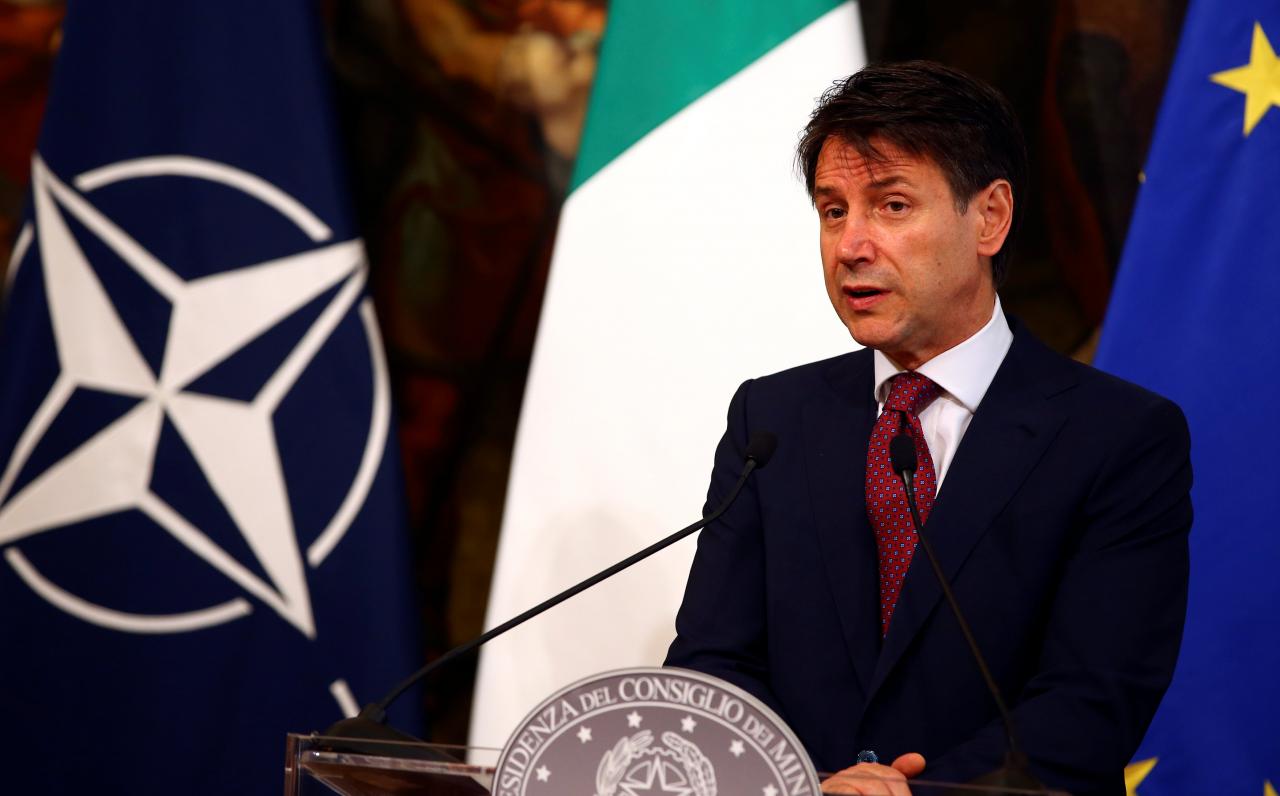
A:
[(995, 209)]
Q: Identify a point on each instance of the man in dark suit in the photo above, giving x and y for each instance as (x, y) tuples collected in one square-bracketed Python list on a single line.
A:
[(1056, 497)]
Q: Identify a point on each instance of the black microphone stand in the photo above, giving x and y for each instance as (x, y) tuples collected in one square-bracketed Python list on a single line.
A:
[(1015, 773), (370, 722)]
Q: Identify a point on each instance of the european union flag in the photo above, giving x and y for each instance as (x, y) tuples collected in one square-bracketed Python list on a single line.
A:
[(200, 508), (1194, 316)]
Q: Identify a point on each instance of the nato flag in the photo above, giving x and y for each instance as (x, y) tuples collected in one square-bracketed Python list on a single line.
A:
[(200, 511), (1194, 316)]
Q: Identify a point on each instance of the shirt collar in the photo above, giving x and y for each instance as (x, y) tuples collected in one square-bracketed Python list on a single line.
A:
[(964, 371)]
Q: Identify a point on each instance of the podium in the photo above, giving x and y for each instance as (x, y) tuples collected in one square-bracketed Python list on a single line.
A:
[(319, 766)]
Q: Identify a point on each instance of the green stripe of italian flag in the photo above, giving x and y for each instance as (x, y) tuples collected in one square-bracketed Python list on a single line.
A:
[(686, 262)]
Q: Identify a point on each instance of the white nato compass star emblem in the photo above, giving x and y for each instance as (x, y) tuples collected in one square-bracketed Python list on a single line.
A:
[(233, 441)]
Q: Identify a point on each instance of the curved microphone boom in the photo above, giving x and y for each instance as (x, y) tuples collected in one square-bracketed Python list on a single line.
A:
[(1014, 773), (370, 723)]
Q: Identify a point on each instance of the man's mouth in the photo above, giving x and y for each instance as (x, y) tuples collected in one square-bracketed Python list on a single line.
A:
[(861, 297)]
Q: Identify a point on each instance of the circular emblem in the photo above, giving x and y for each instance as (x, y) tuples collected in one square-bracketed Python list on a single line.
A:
[(231, 434), (639, 731)]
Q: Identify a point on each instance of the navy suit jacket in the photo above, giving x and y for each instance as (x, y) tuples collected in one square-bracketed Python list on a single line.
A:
[(1062, 524)]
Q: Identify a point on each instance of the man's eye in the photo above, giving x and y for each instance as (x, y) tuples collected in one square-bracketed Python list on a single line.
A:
[(895, 206), (833, 212)]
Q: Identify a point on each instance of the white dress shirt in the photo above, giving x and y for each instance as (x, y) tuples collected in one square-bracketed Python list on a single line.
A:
[(964, 373)]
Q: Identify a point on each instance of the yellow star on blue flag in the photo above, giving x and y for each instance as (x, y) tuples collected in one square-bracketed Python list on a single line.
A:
[(1135, 773), (1258, 80)]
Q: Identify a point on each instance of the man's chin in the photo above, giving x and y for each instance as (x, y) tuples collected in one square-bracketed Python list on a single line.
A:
[(869, 335)]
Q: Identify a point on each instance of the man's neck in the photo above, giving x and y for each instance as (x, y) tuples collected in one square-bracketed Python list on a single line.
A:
[(965, 370), (908, 360)]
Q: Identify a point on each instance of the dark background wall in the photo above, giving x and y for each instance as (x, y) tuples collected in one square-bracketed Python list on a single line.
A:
[(461, 120)]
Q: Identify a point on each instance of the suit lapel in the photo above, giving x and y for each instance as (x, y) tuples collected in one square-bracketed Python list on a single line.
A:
[(1006, 438), (837, 425)]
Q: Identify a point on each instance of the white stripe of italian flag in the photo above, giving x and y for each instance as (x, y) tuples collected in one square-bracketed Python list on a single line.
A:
[(686, 262)]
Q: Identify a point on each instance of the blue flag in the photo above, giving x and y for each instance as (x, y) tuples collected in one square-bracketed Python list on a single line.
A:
[(201, 518), (1194, 316)]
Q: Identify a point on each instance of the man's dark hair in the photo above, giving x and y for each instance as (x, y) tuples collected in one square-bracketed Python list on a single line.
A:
[(927, 109)]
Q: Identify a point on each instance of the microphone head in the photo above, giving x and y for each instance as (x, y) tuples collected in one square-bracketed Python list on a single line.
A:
[(902, 453), (761, 447)]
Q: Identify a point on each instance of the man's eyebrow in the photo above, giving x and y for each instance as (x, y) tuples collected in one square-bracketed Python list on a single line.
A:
[(889, 182)]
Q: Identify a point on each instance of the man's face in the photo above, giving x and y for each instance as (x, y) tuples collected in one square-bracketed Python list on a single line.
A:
[(906, 272)]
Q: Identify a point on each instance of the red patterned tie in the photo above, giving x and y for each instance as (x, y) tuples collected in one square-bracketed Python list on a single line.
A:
[(887, 507)]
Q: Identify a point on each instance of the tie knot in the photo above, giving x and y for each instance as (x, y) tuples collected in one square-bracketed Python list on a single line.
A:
[(910, 392)]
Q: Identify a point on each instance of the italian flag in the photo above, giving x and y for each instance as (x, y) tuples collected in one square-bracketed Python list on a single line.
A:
[(686, 262)]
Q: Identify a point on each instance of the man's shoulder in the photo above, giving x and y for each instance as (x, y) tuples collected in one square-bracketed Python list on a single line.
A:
[(775, 400), (839, 373), (1087, 388)]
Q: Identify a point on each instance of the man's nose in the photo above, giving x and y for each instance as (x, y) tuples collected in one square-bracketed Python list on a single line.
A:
[(856, 244)]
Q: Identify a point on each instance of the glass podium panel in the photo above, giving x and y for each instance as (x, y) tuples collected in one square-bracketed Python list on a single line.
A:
[(316, 765), (926, 788)]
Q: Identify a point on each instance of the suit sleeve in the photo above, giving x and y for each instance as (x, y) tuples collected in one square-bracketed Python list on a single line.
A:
[(721, 627), (1115, 623)]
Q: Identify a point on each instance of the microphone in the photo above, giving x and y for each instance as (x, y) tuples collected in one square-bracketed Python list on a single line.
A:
[(1015, 772), (370, 723)]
